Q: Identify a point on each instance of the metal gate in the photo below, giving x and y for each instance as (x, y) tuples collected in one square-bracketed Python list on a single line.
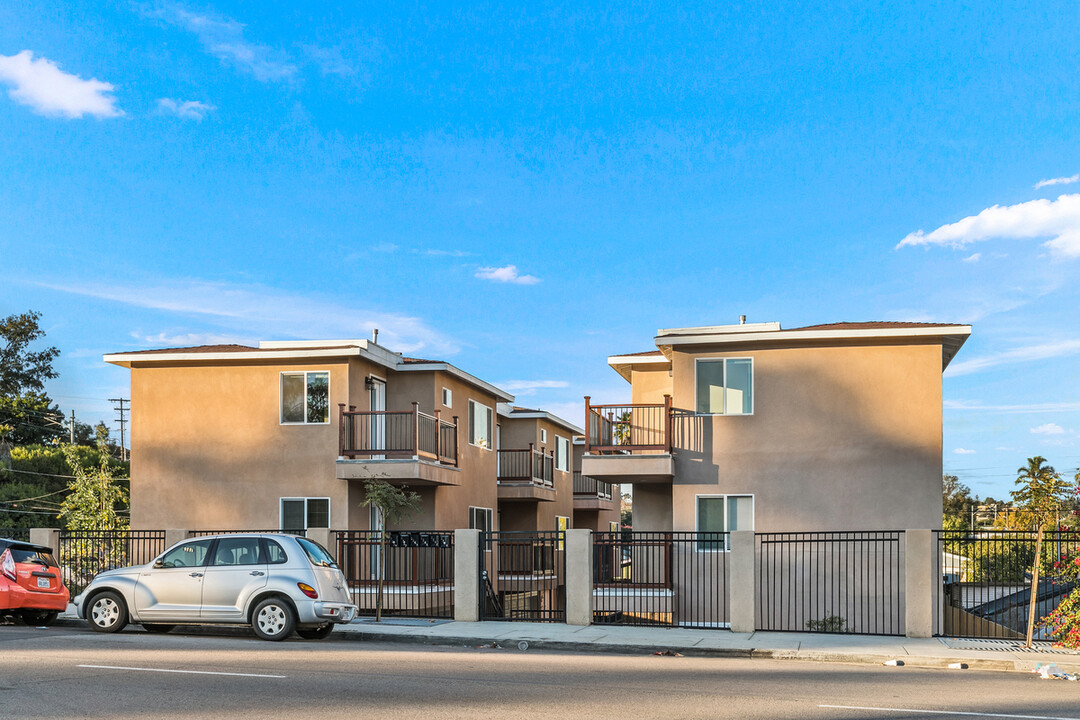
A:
[(985, 588), (416, 569), (523, 576), (660, 579), (832, 582)]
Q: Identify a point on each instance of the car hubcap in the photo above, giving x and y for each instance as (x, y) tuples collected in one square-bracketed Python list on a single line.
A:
[(105, 612), (272, 620)]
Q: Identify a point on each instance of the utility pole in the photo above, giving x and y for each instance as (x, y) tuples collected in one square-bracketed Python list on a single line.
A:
[(122, 420), (71, 428)]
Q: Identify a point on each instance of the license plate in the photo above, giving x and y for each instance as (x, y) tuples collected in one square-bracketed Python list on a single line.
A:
[(43, 582)]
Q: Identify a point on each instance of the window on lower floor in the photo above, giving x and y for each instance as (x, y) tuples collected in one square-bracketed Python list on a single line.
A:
[(305, 397), (561, 524), (724, 386), (723, 514), (304, 513), (480, 519)]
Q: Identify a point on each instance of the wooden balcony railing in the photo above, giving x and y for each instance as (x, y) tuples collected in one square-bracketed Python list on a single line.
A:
[(587, 487), (625, 429), (530, 466), (379, 434)]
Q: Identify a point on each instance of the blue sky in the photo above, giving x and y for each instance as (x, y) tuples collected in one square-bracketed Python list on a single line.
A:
[(525, 191)]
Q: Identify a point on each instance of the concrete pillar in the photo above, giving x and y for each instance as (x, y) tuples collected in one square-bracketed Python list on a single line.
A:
[(49, 537), (919, 583), (579, 577), (467, 595), (323, 536), (742, 582)]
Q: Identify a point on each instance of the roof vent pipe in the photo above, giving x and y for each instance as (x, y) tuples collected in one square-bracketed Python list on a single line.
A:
[(375, 335), (742, 320)]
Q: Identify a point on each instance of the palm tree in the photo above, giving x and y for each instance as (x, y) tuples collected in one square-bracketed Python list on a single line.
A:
[(1041, 491)]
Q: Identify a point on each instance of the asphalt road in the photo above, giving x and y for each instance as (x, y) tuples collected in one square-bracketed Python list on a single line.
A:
[(74, 673)]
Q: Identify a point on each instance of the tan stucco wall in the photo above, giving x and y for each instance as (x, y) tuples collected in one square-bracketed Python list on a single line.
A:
[(650, 386), (842, 438), (209, 451), (517, 433)]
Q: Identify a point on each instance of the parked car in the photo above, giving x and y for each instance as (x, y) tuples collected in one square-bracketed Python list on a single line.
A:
[(30, 584), (275, 583)]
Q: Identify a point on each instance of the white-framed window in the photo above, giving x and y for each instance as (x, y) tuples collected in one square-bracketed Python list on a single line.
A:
[(723, 514), (305, 398), (543, 435), (447, 397), (480, 518), (724, 386), (480, 425), (562, 454), (561, 525), (304, 513)]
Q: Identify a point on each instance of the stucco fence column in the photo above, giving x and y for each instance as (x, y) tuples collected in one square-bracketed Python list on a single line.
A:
[(742, 582), (579, 577), (49, 537), (919, 582), (466, 575)]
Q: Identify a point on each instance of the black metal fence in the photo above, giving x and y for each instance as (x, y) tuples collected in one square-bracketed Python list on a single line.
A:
[(986, 580), (83, 554), (22, 534), (417, 570), (523, 576), (660, 579), (833, 582)]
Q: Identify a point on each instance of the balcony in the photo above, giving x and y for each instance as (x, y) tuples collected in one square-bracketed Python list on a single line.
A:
[(628, 443), (526, 475), (397, 446), (591, 494)]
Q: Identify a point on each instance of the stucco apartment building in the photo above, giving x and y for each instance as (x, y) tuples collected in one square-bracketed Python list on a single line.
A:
[(754, 427), (283, 435)]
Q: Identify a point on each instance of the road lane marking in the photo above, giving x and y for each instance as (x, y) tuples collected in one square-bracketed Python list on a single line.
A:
[(949, 712), (186, 672)]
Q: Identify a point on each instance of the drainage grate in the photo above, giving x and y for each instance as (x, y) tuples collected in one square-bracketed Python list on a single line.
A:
[(1005, 645)]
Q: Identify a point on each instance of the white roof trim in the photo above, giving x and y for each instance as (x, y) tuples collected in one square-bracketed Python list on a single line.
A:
[(722, 329), (540, 415), (180, 356), (501, 395), (637, 359), (838, 334)]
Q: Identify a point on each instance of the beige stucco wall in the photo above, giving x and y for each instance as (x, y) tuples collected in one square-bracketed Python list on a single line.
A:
[(517, 433), (650, 386), (209, 452), (842, 438)]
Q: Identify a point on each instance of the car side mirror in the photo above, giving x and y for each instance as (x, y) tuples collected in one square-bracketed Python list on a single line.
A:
[(158, 564)]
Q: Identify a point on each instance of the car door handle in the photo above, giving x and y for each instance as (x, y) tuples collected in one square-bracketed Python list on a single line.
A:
[(196, 574), (257, 572)]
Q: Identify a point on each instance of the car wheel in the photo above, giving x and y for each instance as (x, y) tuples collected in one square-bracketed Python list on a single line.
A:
[(39, 618), (107, 613), (157, 627), (315, 633), (273, 619)]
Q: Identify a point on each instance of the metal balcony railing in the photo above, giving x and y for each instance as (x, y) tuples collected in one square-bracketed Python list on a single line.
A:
[(529, 466), (627, 429), (380, 434), (587, 487)]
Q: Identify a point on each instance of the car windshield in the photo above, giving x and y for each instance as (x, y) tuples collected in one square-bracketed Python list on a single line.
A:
[(317, 554)]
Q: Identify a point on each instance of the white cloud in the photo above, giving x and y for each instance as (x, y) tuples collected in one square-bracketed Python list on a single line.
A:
[(1058, 181), (187, 109), (973, 258), (1056, 219), (48, 90), (224, 39), (962, 451), (161, 340), (965, 405), (508, 274), (1048, 429), (267, 314), (529, 387), (1025, 354)]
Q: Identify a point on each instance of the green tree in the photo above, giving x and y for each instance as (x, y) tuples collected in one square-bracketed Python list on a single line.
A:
[(956, 502), (95, 498), (394, 505), (22, 370), (1041, 492)]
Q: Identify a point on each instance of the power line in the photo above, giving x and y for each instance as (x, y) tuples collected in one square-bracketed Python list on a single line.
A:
[(123, 421), (30, 472)]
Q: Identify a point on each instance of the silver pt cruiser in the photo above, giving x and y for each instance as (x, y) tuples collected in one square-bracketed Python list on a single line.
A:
[(275, 583)]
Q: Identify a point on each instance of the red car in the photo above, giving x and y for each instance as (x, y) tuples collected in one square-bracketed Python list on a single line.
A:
[(30, 583)]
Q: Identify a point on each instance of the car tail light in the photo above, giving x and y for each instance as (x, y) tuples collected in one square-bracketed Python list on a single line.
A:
[(7, 565), (307, 590)]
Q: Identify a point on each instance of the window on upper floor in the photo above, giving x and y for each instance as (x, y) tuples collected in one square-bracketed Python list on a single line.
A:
[(724, 386), (305, 398), (447, 397), (562, 454), (543, 435), (480, 425), (723, 514)]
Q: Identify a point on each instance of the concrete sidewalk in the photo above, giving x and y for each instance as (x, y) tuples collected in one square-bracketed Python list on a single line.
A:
[(867, 649)]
